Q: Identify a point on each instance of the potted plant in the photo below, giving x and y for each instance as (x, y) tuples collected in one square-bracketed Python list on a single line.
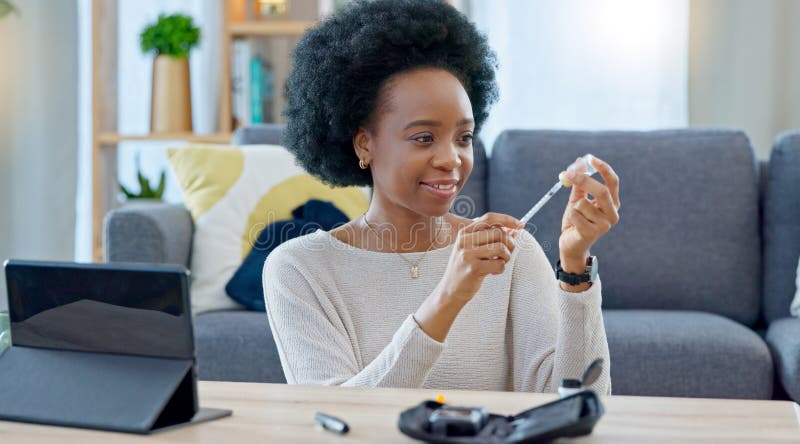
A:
[(6, 7), (147, 192), (170, 38)]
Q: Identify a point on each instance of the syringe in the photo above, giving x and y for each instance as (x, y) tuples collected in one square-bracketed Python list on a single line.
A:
[(581, 166)]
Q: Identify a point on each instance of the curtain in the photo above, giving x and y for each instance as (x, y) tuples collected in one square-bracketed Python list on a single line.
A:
[(587, 64), (38, 132), (743, 67)]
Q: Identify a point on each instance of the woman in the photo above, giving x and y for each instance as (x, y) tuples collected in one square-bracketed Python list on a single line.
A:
[(389, 94)]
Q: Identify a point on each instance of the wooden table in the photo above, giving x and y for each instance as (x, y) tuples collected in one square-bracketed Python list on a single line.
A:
[(267, 413)]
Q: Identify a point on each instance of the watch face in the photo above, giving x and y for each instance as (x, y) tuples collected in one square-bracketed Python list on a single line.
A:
[(594, 268)]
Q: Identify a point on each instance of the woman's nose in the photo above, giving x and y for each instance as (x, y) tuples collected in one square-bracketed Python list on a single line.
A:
[(446, 157)]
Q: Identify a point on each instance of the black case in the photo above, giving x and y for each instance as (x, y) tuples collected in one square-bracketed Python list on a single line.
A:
[(574, 415)]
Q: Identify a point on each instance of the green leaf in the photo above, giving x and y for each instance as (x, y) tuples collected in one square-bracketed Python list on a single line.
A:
[(127, 193), (6, 7), (173, 35), (144, 184), (162, 183), (145, 188)]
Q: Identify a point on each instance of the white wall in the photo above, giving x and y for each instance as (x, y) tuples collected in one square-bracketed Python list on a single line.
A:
[(744, 67), (38, 131)]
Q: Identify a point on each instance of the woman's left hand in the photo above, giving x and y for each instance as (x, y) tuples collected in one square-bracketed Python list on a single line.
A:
[(586, 220)]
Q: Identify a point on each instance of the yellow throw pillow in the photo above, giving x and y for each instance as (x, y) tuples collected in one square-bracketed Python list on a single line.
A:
[(233, 193)]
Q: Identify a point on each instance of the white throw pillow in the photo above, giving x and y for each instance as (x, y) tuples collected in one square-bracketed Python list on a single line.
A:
[(233, 193)]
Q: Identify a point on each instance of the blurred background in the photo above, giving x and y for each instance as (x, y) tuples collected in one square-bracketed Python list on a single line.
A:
[(77, 98)]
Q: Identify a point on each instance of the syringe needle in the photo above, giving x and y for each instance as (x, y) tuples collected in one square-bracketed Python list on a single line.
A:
[(581, 166), (535, 209)]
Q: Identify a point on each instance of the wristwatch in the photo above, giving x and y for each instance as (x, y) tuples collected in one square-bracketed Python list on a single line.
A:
[(574, 279)]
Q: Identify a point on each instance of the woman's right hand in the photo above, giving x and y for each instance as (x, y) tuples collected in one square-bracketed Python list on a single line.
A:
[(481, 248)]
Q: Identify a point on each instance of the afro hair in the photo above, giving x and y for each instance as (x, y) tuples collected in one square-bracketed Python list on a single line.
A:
[(341, 65)]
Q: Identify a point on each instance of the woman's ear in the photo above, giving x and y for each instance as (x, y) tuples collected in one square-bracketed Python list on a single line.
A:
[(362, 143)]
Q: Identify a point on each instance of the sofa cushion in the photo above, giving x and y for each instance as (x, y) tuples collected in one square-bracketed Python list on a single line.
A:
[(781, 226), (236, 346), (783, 338), (684, 353), (259, 134), (246, 286), (471, 201), (689, 233)]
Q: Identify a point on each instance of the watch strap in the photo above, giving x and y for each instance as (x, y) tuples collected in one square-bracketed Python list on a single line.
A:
[(572, 278)]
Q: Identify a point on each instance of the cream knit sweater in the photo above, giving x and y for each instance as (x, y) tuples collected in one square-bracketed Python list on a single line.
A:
[(342, 315)]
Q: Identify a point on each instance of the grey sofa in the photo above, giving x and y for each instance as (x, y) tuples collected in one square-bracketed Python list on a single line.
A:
[(698, 275)]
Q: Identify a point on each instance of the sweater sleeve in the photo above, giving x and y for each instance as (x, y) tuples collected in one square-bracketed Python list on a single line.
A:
[(314, 345), (554, 334)]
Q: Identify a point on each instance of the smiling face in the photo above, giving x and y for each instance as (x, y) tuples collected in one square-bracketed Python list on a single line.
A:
[(419, 142)]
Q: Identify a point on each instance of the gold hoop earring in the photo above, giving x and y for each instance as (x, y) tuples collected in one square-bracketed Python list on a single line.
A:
[(362, 164)]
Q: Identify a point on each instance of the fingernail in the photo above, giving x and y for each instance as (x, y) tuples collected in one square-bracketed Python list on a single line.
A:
[(570, 175)]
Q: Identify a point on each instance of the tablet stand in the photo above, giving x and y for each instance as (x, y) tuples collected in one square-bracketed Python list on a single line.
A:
[(124, 393)]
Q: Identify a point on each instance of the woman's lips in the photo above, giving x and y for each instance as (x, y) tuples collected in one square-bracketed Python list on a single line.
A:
[(444, 193)]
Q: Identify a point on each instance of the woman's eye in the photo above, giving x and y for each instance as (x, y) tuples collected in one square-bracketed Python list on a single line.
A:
[(467, 138), (424, 139)]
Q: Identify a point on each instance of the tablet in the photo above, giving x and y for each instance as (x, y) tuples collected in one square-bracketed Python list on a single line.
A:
[(133, 309)]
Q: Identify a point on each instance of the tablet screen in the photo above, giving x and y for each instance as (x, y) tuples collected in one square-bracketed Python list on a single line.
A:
[(107, 308)]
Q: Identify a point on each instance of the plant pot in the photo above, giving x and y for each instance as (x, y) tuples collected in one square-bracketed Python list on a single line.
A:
[(171, 100), (141, 202)]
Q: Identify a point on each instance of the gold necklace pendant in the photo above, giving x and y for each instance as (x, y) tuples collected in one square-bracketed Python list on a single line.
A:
[(414, 267)]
